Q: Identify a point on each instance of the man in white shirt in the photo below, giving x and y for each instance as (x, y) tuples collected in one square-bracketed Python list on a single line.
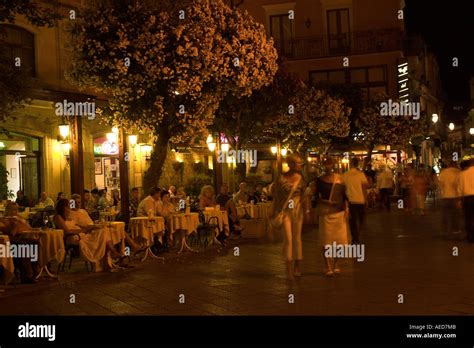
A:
[(149, 203), (450, 196), (241, 196), (79, 216), (45, 201), (385, 186), (356, 184), (466, 184)]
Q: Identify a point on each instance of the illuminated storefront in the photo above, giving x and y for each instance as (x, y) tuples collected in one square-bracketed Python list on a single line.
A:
[(106, 163), (20, 156)]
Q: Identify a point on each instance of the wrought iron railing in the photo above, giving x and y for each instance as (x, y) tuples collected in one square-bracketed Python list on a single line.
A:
[(358, 42)]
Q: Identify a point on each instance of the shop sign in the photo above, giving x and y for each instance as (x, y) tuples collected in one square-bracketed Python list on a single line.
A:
[(106, 148), (402, 79)]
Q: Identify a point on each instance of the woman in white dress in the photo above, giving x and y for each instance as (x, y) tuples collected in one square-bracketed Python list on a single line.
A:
[(333, 212), (94, 242), (290, 205)]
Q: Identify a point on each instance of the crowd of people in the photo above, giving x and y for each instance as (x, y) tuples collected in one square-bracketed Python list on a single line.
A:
[(337, 201), (79, 218), (341, 201)]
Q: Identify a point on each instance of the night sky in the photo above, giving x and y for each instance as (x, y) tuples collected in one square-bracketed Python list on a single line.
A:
[(448, 29)]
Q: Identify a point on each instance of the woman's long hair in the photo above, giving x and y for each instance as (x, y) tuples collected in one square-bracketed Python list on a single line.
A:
[(61, 206), (8, 209), (204, 189)]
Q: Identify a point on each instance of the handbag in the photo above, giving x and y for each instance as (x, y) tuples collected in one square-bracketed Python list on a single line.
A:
[(324, 205), (278, 219)]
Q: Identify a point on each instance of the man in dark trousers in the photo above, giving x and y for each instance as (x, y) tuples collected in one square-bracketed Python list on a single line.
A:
[(356, 184)]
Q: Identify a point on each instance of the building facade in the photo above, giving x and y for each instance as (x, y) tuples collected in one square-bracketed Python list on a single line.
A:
[(357, 42), (338, 41), (35, 154), (360, 42)]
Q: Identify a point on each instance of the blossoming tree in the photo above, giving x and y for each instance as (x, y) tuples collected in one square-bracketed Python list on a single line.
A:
[(375, 129), (166, 65), (314, 117), (243, 119)]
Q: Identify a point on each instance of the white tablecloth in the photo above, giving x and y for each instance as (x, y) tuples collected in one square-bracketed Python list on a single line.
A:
[(184, 221), (146, 228), (51, 245), (222, 218), (255, 211), (116, 232)]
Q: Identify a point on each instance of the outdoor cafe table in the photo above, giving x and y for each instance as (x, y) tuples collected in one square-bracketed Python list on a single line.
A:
[(265, 209), (6, 262), (116, 232), (108, 215), (255, 211), (145, 228), (186, 222), (222, 218), (51, 247)]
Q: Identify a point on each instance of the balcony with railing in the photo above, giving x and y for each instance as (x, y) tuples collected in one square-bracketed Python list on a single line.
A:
[(358, 42)]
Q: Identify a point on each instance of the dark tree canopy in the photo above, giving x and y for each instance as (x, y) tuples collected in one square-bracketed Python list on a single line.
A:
[(31, 9)]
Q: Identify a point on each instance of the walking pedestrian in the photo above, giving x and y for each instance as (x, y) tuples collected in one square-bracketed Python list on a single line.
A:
[(466, 183), (450, 197), (406, 187), (356, 184), (385, 186), (332, 211), (289, 207), (421, 184)]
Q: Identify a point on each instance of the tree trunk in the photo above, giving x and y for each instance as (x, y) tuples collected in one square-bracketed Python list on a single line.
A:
[(241, 171), (241, 167), (158, 158)]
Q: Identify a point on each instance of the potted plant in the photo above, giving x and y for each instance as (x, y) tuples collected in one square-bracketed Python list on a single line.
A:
[(4, 192), (195, 183)]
